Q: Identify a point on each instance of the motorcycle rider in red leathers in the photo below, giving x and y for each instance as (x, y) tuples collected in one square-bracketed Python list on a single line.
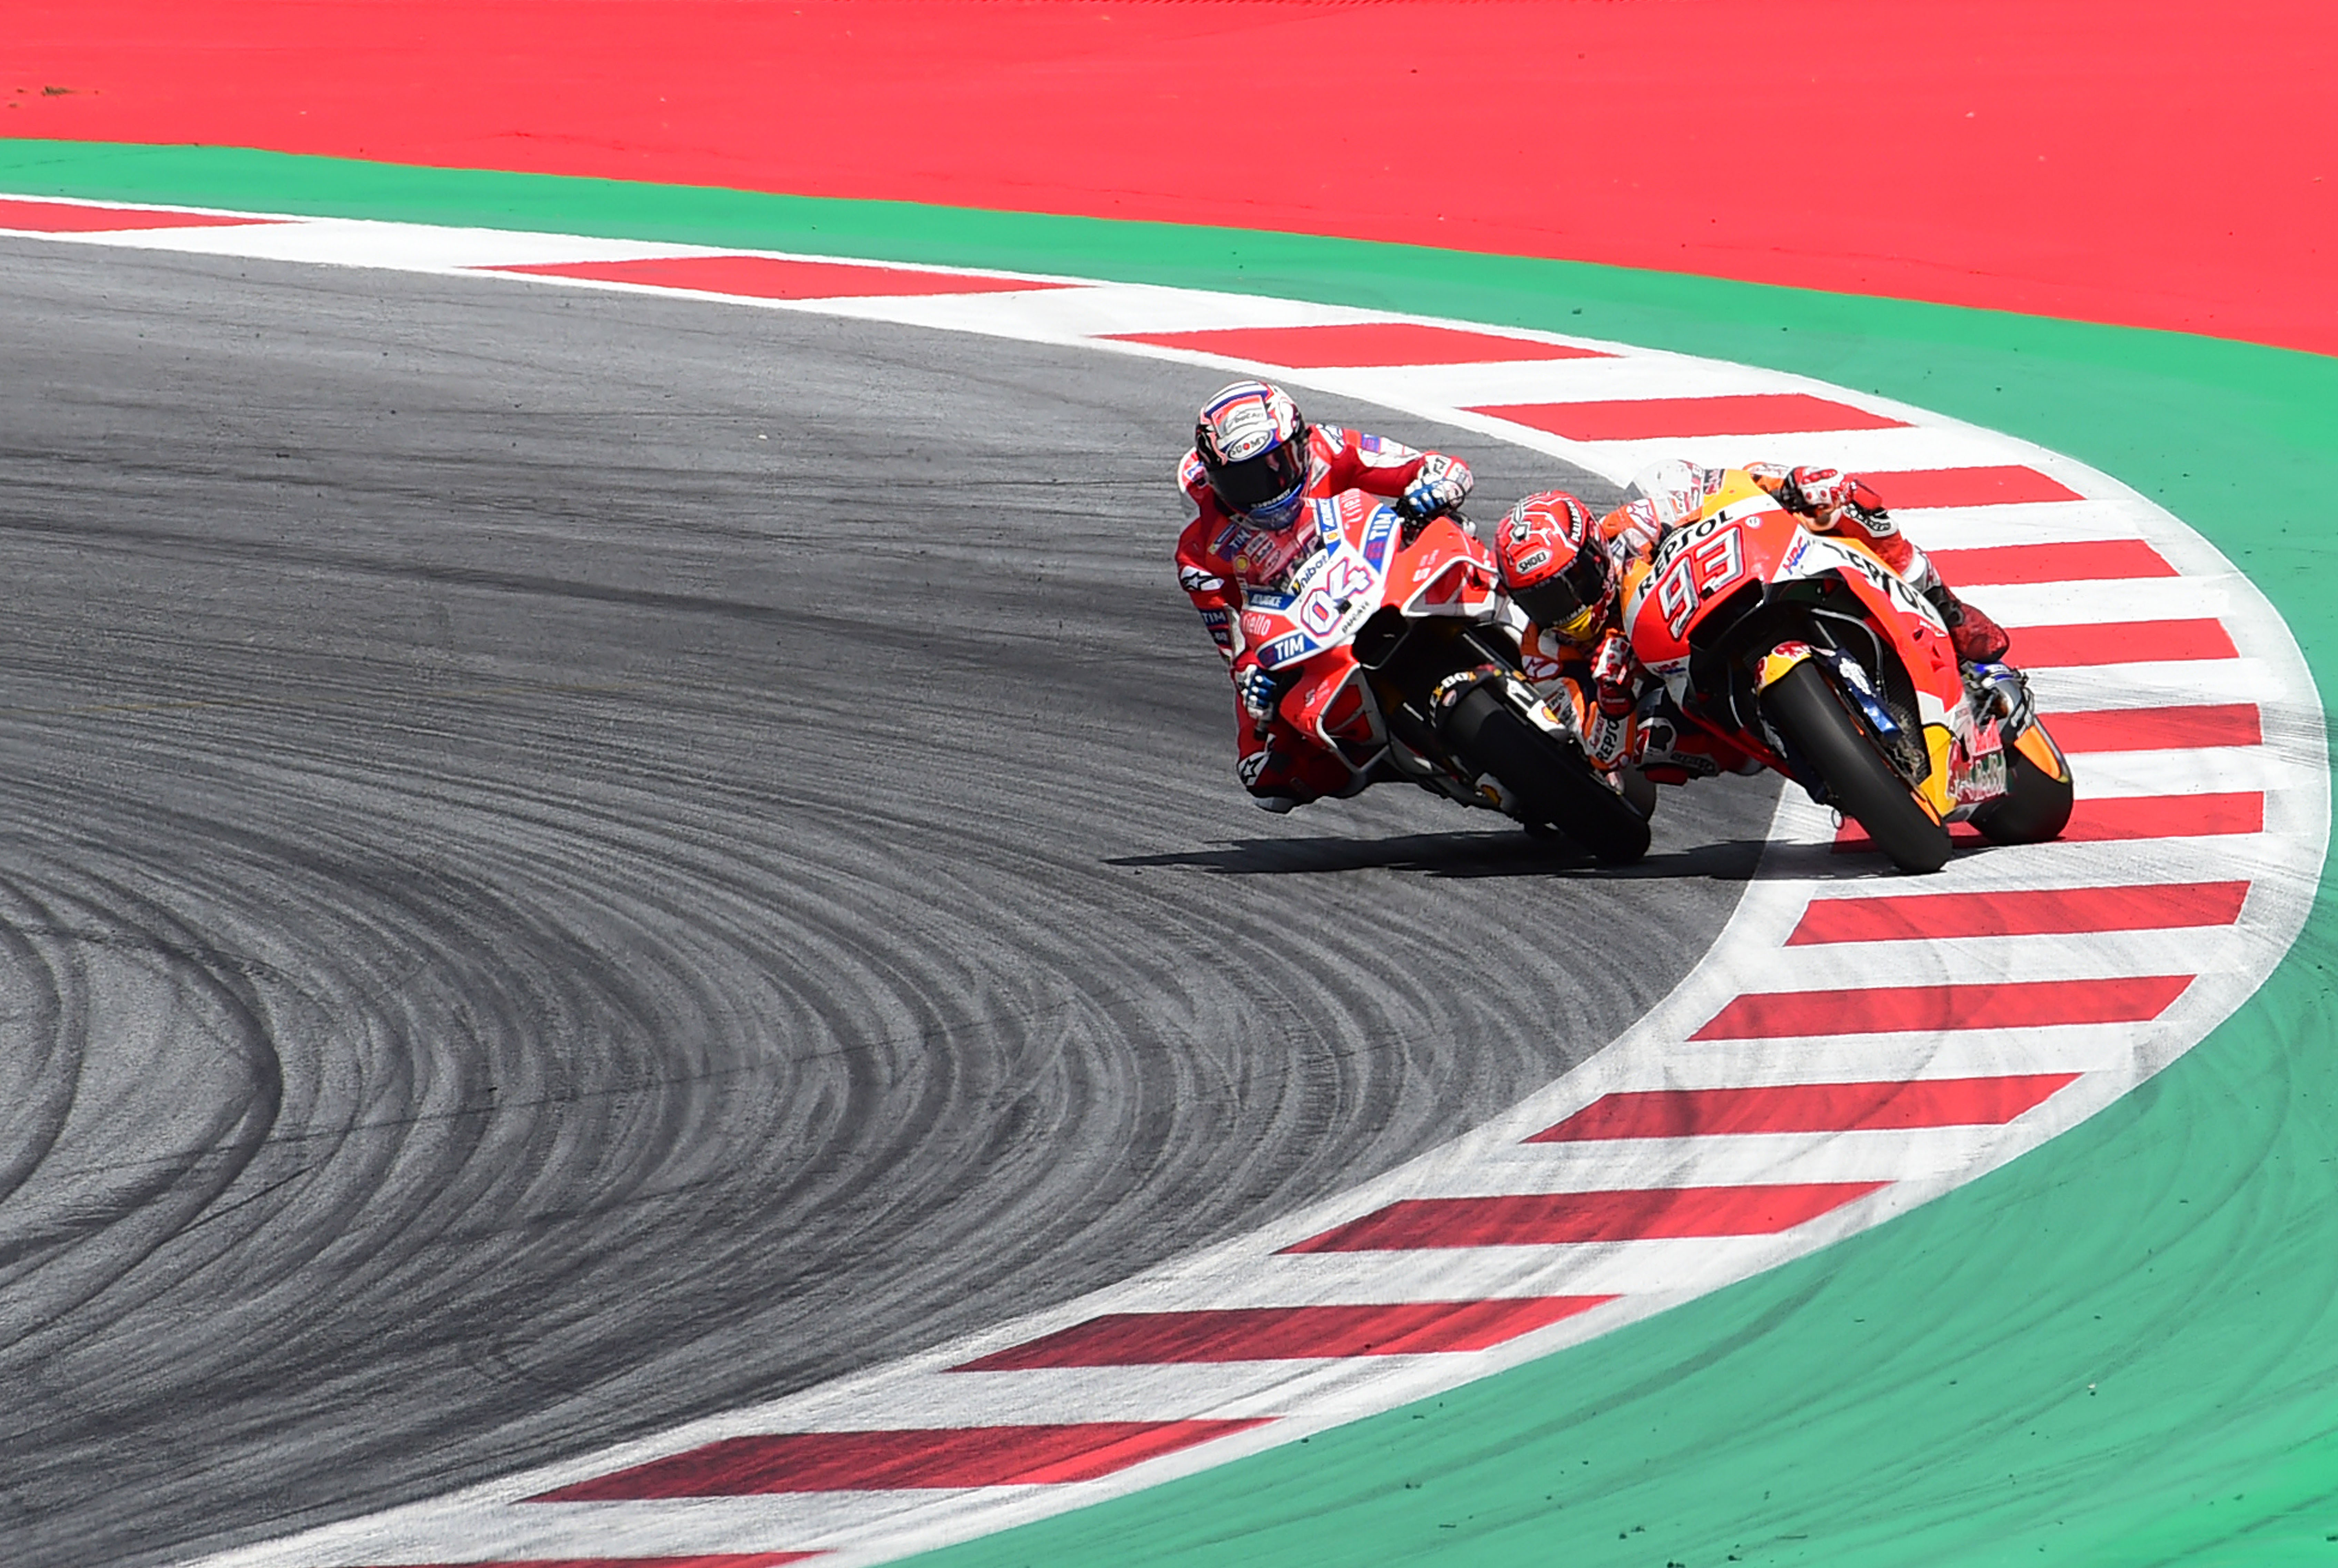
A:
[(1254, 466), (1565, 577)]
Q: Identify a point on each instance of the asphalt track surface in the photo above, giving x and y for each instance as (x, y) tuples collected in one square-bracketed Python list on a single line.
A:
[(572, 860)]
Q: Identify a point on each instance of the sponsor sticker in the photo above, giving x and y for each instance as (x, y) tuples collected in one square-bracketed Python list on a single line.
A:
[(1376, 538), (1283, 649)]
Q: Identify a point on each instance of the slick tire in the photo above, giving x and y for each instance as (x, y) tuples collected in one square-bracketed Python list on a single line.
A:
[(1554, 787), (2035, 807), (1814, 720)]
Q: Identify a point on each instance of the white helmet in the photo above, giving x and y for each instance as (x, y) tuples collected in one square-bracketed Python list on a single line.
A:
[(1253, 444)]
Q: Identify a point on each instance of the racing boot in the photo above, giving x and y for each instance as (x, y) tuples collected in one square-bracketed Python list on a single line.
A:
[(1280, 778), (1268, 780), (1668, 749), (1978, 639), (1657, 743)]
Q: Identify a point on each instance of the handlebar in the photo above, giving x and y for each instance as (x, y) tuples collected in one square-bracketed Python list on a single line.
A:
[(1414, 522)]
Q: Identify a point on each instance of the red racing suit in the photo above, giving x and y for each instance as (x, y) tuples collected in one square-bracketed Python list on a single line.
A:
[(1219, 555)]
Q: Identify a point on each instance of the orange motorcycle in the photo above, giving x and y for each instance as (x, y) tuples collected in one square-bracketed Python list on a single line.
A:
[(1806, 651)]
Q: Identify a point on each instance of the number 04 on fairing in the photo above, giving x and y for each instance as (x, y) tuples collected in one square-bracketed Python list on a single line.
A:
[(1393, 649)]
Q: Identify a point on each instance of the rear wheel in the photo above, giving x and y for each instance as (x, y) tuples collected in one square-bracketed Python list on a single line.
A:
[(2035, 805), (1553, 785), (1814, 720)]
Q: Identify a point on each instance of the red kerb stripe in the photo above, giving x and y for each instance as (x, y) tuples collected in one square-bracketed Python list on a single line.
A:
[(2122, 817), (1911, 1009), (1287, 1333), (2080, 561), (1640, 419), (1360, 344), (2042, 912), (768, 277), (2120, 642), (1553, 1218), (1805, 1108), (2158, 729), (891, 1460), (1912, 489), (65, 218)]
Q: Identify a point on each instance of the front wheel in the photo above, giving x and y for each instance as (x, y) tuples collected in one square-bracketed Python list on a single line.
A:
[(1817, 724), (1555, 787)]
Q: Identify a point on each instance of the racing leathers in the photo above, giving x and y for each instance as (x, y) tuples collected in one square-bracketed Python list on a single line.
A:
[(1221, 554)]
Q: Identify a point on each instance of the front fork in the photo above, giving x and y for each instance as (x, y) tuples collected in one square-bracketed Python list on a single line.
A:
[(1574, 721), (2003, 691), (1851, 680)]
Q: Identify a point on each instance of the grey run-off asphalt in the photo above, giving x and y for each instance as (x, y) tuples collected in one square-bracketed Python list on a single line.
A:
[(574, 860)]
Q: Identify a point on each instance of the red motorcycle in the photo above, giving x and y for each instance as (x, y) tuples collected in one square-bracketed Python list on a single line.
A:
[(1808, 653), (1393, 649)]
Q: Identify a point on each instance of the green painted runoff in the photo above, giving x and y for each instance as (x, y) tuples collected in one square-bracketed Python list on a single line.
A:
[(2120, 1349)]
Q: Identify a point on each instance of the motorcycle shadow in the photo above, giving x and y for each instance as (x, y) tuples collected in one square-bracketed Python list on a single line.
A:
[(1459, 856), (1829, 863)]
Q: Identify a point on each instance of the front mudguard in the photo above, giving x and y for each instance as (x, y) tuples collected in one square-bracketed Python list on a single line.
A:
[(1514, 693), (1926, 746)]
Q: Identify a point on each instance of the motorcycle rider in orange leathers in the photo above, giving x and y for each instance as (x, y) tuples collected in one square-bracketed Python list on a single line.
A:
[(1564, 572), (1555, 569), (1256, 464)]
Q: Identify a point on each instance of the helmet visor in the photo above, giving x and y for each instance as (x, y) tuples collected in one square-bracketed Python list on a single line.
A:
[(1569, 600), (1275, 474)]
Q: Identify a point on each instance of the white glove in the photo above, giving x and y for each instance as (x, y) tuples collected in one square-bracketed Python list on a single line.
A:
[(1821, 489), (1829, 492)]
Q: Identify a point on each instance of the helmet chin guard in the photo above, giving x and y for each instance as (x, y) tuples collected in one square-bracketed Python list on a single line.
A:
[(1280, 513)]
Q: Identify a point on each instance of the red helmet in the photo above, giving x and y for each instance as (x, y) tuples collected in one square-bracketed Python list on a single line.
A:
[(1254, 447), (1552, 566)]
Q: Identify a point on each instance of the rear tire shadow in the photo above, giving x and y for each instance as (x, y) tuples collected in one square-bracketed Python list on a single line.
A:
[(1508, 853)]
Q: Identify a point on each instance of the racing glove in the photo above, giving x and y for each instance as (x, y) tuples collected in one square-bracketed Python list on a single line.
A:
[(1825, 492), (1611, 675), (1257, 690), (1442, 484)]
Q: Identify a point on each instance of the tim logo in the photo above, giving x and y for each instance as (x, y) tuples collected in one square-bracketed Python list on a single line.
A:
[(1285, 648)]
